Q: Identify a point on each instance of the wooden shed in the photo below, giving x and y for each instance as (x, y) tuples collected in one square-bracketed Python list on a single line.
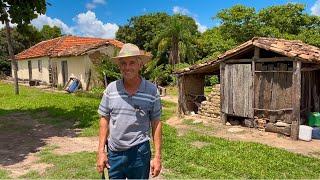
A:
[(276, 80)]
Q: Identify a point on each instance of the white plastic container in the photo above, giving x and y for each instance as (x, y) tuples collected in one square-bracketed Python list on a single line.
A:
[(305, 133)]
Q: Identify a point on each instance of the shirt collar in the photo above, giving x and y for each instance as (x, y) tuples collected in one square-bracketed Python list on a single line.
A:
[(142, 87)]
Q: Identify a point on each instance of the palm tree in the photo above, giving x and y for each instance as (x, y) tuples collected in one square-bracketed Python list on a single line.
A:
[(177, 38)]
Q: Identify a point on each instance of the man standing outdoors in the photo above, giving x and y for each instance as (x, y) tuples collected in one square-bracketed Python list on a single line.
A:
[(128, 108)]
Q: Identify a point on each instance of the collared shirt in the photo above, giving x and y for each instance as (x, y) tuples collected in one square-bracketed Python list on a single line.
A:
[(130, 116)]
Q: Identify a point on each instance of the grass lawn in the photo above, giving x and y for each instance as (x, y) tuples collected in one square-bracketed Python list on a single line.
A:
[(220, 158)]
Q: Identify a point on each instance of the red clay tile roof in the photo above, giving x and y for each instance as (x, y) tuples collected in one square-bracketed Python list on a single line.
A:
[(65, 46), (290, 48)]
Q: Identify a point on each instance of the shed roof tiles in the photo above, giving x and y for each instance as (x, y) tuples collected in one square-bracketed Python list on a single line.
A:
[(290, 48), (66, 46)]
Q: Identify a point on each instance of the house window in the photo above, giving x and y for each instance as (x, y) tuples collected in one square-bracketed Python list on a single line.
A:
[(40, 66)]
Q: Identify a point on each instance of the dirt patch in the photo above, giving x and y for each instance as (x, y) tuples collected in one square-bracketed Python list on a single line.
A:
[(67, 145), (216, 129), (170, 98), (200, 144), (21, 138)]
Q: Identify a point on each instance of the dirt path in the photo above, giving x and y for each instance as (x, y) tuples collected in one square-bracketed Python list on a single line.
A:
[(239, 133), (19, 151)]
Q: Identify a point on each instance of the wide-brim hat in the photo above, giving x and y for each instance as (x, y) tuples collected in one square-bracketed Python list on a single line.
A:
[(131, 50)]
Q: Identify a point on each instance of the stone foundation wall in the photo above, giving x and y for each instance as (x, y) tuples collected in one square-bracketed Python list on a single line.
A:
[(211, 107)]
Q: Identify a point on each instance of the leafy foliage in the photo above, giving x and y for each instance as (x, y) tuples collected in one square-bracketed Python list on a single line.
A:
[(106, 71), (48, 32), (21, 13), (178, 38), (238, 23), (23, 41)]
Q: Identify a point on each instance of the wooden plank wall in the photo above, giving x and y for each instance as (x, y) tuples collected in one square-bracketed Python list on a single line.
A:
[(237, 95), (273, 91), (310, 93), (193, 87)]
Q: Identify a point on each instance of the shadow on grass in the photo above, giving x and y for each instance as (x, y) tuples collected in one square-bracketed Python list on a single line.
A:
[(26, 131)]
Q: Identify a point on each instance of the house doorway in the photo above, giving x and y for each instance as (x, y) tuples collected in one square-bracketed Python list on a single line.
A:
[(30, 70), (64, 70)]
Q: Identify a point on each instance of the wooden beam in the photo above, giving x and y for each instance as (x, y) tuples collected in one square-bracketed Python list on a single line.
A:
[(310, 69), (237, 61), (274, 71), (222, 93), (274, 110), (275, 59), (296, 95), (253, 67)]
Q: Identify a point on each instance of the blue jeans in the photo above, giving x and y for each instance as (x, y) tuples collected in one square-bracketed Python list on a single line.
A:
[(133, 163)]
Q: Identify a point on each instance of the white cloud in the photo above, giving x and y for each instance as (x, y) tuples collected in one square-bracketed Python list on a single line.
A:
[(90, 6), (94, 3), (88, 25), (45, 20), (201, 28), (180, 10), (99, 1), (1, 25), (315, 9), (184, 11)]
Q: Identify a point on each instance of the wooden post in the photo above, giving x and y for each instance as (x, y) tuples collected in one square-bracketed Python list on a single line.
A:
[(296, 96), (222, 93), (256, 52), (182, 108), (255, 57), (224, 118), (179, 95)]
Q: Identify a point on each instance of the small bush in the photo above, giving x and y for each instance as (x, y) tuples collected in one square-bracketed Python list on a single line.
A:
[(2, 76)]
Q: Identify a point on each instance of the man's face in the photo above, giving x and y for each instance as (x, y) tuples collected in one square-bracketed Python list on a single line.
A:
[(130, 67)]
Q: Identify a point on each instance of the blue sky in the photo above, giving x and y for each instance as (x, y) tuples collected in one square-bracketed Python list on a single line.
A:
[(102, 18)]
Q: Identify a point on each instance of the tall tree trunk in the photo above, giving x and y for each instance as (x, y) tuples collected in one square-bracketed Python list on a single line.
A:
[(11, 54), (175, 52)]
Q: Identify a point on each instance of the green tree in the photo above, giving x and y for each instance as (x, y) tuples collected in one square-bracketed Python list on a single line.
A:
[(20, 13), (213, 42), (106, 71), (141, 30), (289, 21), (178, 37), (48, 32), (238, 23), (20, 42)]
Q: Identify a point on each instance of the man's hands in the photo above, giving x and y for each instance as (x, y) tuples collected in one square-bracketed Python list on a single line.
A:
[(102, 162), (155, 167)]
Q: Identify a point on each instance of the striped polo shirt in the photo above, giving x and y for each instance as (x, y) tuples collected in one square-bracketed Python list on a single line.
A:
[(130, 116)]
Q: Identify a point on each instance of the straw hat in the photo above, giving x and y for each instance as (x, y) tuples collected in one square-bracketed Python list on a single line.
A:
[(131, 50)]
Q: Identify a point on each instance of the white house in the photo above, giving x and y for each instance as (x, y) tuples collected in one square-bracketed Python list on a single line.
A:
[(55, 61)]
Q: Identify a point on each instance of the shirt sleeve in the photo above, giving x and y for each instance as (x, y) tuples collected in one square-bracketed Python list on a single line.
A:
[(104, 109), (156, 110)]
